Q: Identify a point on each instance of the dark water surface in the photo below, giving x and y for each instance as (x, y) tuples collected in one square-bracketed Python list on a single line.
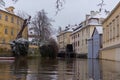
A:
[(59, 69)]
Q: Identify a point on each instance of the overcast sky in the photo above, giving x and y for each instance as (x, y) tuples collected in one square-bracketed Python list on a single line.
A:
[(73, 13)]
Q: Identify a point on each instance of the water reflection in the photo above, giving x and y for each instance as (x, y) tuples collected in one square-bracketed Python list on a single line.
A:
[(59, 69), (94, 72), (20, 67), (47, 69), (5, 70), (110, 70)]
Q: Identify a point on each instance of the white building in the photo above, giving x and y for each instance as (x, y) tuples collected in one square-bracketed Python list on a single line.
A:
[(84, 31)]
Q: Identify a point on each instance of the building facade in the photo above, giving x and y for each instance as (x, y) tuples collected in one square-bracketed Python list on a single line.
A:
[(10, 25), (84, 31), (63, 39), (111, 35)]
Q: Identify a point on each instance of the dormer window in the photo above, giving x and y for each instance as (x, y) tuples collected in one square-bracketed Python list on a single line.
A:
[(10, 9), (93, 21)]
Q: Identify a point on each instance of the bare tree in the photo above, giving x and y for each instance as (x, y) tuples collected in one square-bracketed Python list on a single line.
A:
[(101, 4), (41, 24)]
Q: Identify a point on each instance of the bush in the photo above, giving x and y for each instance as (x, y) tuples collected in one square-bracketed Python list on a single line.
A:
[(49, 50)]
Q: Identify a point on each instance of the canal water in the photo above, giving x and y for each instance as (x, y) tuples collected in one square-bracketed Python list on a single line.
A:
[(59, 69)]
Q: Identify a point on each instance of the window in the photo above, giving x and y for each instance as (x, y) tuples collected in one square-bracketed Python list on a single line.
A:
[(110, 30), (117, 26), (0, 16), (78, 34), (113, 28), (104, 35), (108, 33), (6, 18), (108, 27), (12, 19), (86, 41), (6, 31)]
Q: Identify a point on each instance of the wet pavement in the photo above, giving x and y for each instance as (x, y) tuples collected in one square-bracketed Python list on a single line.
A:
[(59, 69)]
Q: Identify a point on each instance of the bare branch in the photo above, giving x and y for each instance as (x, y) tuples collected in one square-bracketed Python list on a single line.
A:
[(59, 5), (101, 5), (42, 26), (14, 0)]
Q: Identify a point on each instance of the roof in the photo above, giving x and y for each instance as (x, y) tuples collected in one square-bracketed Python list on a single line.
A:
[(63, 32), (70, 30), (76, 30), (101, 14), (4, 10), (88, 25), (91, 21)]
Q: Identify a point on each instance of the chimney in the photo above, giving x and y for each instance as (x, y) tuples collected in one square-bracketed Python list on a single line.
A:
[(10, 9), (87, 16), (92, 13)]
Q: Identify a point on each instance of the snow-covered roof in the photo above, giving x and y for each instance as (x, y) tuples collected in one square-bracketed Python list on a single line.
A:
[(99, 29), (21, 40), (76, 30), (3, 9), (70, 30), (100, 15), (65, 31)]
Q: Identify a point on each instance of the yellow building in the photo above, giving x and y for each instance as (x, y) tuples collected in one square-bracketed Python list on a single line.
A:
[(63, 39), (84, 31), (10, 25), (111, 35)]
